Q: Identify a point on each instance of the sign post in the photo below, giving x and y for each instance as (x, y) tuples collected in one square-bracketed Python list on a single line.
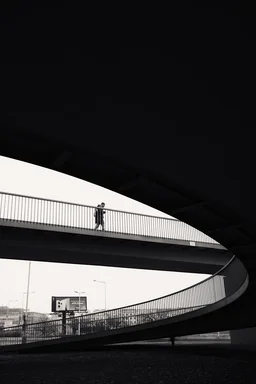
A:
[(67, 304), (64, 323)]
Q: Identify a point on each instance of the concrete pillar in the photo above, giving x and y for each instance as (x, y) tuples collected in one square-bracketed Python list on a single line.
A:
[(245, 337)]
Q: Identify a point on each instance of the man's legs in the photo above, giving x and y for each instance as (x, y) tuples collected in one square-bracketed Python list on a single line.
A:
[(96, 226)]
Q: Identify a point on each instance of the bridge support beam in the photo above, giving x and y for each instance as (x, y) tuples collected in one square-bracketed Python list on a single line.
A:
[(244, 337)]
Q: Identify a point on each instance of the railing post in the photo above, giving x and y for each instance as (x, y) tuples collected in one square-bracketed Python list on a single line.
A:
[(64, 323), (23, 333)]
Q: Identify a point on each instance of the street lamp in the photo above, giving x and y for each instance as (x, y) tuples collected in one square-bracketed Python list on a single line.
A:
[(25, 293), (29, 269), (105, 284), (79, 294)]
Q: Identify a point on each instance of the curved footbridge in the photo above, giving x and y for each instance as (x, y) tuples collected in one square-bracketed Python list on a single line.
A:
[(47, 230), (64, 232)]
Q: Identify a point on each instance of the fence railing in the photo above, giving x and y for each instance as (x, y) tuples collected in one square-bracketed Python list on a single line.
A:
[(192, 299), (18, 208)]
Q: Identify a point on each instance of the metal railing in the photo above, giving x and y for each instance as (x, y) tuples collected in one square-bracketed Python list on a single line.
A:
[(204, 294), (26, 209)]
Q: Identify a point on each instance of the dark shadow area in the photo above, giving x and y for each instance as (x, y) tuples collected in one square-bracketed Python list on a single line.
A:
[(132, 364)]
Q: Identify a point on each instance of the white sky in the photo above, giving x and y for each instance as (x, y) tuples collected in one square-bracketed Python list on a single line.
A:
[(124, 286)]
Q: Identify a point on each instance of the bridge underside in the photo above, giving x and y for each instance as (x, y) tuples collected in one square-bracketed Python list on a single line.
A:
[(122, 251), (170, 126)]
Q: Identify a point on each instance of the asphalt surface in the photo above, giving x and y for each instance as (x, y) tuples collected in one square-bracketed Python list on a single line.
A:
[(134, 364)]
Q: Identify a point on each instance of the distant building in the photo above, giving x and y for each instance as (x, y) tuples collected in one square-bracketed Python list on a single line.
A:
[(14, 316)]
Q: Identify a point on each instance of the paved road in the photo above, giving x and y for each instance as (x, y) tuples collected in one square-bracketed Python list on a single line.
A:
[(155, 365)]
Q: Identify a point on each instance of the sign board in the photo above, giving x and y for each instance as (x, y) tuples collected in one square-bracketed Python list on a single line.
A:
[(69, 303)]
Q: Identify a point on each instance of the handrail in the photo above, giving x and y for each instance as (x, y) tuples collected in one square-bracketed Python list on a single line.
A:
[(27, 209), (13, 327), (174, 293), (88, 206)]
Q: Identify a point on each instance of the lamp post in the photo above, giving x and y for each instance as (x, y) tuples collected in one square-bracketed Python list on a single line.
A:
[(25, 293), (105, 285), (79, 294), (29, 270)]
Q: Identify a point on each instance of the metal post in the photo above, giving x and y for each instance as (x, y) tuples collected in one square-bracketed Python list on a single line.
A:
[(64, 323), (79, 310), (105, 296), (24, 337), (79, 315), (22, 308), (29, 269)]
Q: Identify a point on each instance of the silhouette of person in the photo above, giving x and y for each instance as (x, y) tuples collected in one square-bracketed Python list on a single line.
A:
[(99, 216), (172, 339)]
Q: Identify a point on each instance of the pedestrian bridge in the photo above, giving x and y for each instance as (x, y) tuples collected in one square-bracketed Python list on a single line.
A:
[(46, 214), (176, 314), (47, 230), (181, 313)]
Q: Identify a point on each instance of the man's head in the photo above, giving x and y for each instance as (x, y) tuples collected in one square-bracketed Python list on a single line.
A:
[(103, 205)]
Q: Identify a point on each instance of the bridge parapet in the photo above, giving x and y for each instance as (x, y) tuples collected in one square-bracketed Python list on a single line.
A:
[(52, 213)]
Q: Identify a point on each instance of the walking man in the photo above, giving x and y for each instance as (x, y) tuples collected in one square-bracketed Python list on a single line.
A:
[(99, 216)]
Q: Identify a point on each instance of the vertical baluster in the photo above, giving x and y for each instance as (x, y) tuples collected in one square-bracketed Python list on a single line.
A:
[(82, 217), (173, 230), (39, 211), (68, 215), (29, 219), (28, 209), (53, 212), (1, 203), (49, 212), (45, 207), (35, 210), (110, 220), (15, 208), (124, 222), (114, 221), (57, 214), (65, 206), (151, 226), (120, 219), (79, 216), (7, 206), (44, 211), (11, 206), (25, 209), (32, 210), (62, 214)]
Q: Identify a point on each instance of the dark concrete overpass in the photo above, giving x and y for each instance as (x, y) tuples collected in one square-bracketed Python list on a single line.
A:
[(168, 117)]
